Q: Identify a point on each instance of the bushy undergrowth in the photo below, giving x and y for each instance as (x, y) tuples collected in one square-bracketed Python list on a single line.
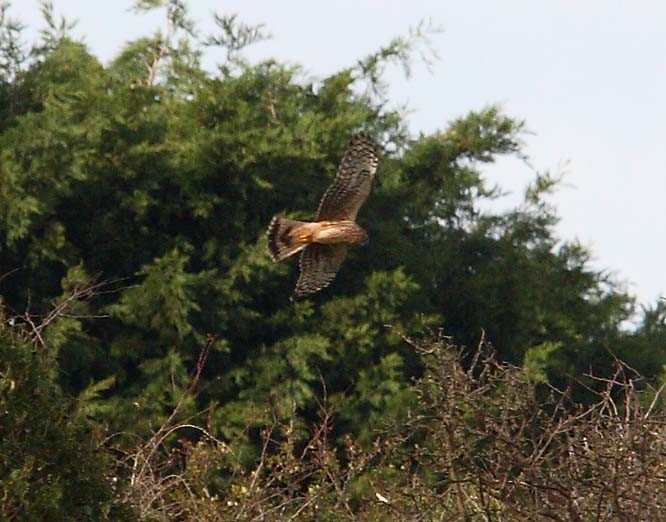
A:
[(52, 466), (483, 442)]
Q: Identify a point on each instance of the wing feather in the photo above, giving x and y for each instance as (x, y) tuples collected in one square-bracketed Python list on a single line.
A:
[(351, 187), (319, 263)]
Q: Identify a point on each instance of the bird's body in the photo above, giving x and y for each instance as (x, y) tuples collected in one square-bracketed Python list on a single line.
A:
[(330, 232), (287, 234), (323, 243)]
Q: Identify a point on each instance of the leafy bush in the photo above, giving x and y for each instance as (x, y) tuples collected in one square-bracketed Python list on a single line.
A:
[(52, 465)]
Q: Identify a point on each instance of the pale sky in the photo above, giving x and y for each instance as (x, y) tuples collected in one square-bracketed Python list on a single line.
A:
[(589, 79)]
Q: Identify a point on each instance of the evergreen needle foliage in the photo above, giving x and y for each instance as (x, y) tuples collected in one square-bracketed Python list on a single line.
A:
[(134, 198)]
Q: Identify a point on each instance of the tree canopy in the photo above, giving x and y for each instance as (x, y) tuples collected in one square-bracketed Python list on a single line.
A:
[(134, 198)]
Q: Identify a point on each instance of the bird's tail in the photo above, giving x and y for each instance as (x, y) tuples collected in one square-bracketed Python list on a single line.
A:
[(283, 240)]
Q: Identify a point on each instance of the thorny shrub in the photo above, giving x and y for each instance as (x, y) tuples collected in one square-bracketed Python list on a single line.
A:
[(486, 443)]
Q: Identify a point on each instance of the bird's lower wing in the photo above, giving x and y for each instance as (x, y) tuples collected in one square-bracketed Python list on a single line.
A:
[(319, 263)]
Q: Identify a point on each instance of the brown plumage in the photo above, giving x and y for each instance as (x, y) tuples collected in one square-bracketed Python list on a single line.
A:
[(323, 243)]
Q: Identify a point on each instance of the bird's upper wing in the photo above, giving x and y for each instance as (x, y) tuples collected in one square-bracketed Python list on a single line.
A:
[(351, 186), (319, 263)]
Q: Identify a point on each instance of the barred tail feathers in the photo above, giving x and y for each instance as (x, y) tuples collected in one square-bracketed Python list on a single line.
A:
[(282, 241)]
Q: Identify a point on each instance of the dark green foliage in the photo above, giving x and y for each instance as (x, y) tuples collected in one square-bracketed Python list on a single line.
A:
[(52, 466)]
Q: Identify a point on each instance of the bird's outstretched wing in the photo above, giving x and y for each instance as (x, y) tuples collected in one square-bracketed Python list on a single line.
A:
[(319, 263), (351, 186)]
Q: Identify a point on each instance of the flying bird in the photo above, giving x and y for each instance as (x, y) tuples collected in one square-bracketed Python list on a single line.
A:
[(323, 242)]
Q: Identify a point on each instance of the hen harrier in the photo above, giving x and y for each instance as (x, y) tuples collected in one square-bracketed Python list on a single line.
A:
[(323, 243)]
